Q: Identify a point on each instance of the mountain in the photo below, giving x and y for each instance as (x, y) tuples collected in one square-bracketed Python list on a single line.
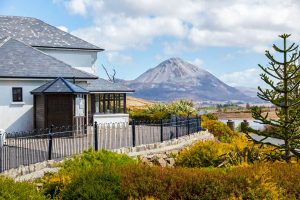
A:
[(251, 92), (177, 79)]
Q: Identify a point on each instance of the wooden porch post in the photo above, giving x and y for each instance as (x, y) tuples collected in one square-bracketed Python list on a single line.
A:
[(87, 109)]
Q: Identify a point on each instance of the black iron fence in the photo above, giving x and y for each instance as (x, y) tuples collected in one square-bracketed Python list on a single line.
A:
[(25, 148)]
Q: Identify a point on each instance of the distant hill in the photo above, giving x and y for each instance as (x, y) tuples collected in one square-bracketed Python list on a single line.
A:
[(251, 92), (177, 79)]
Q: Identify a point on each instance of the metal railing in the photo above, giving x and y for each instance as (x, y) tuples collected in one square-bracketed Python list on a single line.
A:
[(25, 148)]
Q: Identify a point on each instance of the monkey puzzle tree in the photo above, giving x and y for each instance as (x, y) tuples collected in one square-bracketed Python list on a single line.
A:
[(282, 77)]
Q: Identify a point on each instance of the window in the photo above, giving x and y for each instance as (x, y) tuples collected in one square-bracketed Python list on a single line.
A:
[(109, 103), (17, 94)]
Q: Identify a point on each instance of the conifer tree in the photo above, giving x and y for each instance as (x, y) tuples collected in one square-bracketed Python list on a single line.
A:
[(282, 77)]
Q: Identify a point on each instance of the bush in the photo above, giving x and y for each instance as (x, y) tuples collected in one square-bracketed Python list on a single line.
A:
[(79, 172), (159, 111), (203, 154), (218, 129), (93, 184), (11, 189), (254, 182), (129, 180), (216, 154), (91, 159)]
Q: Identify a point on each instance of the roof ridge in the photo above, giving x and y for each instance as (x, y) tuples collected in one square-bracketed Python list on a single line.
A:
[(52, 57), (51, 83), (32, 30), (67, 84), (5, 39)]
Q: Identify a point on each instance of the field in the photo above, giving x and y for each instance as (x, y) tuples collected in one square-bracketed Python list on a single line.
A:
[(136, 103), (243, 114)]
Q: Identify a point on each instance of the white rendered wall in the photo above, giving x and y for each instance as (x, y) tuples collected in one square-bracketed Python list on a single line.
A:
[(111, 118), (83, 60), (17, 116)]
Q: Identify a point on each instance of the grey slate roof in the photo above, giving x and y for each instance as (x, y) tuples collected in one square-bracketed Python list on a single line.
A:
[(19, 60), (59, 85), (37, 33), (102, 85)]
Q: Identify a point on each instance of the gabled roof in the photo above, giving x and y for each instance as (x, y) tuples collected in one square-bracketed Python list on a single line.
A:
[(37, 33), (18, 60), (102, 85), (59, 85)]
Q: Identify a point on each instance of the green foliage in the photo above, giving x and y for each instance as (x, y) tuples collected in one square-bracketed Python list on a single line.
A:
[(11, 189), (78, 174), (93, 184), (158, 111), (92, 159), (211, 116), (218, 129), (284, 94), (130, 180)]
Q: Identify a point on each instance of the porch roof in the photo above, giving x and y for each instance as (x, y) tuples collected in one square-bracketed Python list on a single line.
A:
[(59, 85)]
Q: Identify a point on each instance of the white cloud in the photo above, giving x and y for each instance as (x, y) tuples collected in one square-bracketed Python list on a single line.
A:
[(249, 78), (116, 57), (119, 25), (63, 28), (119, 33)]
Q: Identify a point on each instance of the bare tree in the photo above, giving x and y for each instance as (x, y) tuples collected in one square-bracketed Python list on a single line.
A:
[(111, 77)]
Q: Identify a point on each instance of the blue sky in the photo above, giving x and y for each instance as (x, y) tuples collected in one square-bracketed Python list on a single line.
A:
[(227, 38)]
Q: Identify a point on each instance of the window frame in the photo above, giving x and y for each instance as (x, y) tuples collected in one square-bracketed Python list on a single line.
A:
[(15, 96)]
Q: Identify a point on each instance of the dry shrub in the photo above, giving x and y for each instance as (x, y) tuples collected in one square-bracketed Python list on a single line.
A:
[(251, 182)]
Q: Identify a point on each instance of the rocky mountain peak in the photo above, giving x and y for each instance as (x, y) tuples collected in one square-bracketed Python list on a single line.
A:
[(171, 69)]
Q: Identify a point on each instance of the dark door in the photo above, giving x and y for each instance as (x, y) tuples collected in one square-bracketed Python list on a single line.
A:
[(59, 110)]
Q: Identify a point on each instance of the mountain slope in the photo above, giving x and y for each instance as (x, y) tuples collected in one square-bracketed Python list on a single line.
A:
[(177, 79)]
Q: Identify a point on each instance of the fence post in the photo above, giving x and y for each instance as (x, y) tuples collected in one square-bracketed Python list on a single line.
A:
[(161, 131), (96, 135), (198, 123), (50, 135), (176, 120), (1, 160), (188, 125), (133, 133)]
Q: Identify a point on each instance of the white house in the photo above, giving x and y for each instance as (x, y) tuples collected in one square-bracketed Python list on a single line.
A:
[(48, 76)]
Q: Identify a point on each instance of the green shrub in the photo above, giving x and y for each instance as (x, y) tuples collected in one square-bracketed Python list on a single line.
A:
[(10, 189), (211, 116), (218, 129), (129, 180), (92, 159), (93, 184), (77, 171), (159, 111)]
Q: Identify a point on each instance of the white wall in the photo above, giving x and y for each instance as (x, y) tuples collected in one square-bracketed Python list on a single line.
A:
[(17, 117), (83, 60), (111, 118)]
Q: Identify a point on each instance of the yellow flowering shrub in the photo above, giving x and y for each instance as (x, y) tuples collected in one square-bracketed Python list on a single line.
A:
[(217, 128), (203, 154)]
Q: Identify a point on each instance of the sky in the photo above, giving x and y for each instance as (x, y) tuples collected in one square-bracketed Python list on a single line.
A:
[(226, 37)]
